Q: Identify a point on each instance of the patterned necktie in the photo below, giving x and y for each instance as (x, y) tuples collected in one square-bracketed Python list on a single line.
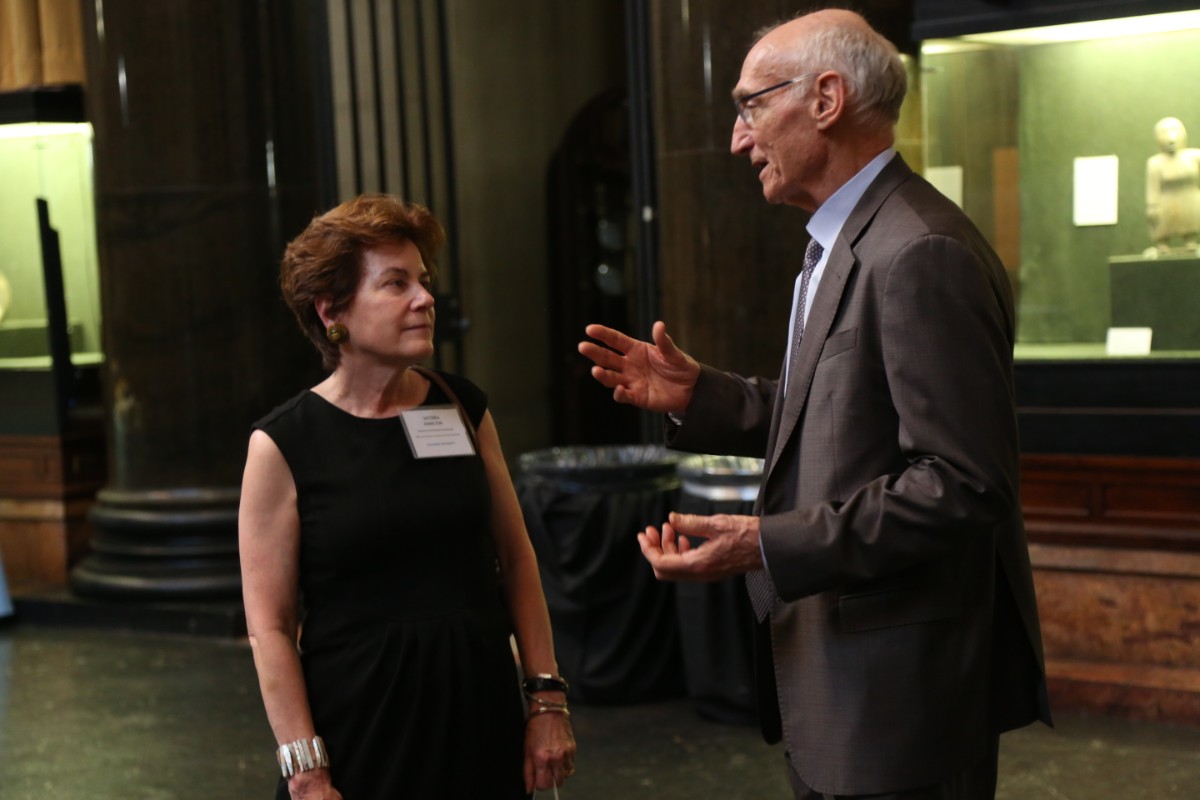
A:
[(758, 583), (812, 254), (762, 593)]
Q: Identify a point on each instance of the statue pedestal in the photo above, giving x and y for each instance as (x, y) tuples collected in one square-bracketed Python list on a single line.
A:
[(1158, 293)]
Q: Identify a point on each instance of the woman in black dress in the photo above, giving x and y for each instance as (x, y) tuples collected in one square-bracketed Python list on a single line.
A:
[(377, 509)]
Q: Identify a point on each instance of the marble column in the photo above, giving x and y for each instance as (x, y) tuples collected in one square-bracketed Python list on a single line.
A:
[(205, 165)]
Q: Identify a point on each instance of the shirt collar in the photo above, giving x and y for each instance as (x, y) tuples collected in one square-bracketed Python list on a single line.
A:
[(826, 223)]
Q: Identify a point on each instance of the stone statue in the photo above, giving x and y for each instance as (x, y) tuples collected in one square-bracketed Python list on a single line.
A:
[(1173, 191)]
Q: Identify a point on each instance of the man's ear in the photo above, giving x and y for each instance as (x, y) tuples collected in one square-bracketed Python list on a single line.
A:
[(831, 99)]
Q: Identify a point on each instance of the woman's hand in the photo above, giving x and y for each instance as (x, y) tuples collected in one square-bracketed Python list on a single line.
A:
[(312, 785), (549, 751)]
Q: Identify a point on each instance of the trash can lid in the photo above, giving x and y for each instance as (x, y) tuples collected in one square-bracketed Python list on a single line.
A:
[(721, 478), (729, 466), (603, 464)]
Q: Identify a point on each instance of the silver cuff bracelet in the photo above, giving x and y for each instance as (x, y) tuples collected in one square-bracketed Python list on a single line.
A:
[(301, 756)]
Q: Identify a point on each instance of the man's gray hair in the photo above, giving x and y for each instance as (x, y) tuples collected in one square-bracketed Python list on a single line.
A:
[(870, 65)]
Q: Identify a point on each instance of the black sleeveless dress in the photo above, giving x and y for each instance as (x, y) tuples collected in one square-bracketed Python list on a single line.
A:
[(404, 642)]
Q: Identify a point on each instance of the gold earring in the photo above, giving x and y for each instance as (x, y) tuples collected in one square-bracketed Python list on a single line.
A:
[(337, 333)]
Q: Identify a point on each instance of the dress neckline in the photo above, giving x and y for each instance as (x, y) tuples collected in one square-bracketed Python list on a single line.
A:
[(343, 412)]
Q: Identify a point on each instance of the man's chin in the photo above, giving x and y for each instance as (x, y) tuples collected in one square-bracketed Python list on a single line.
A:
[(772, 197), (779, 198)]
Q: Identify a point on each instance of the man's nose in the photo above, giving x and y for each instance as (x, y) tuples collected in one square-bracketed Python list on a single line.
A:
[(742, 141)]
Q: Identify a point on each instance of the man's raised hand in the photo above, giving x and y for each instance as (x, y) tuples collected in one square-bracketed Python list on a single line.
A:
[(655, 376)]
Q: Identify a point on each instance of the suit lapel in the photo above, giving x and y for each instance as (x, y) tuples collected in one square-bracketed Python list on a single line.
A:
[(826, 303), (816, 331)]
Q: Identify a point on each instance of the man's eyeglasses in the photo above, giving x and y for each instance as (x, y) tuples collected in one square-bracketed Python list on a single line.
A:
[(742, 104)]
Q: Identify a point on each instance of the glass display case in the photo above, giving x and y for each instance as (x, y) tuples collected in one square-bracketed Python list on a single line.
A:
[(49, 281), (1051, 138)]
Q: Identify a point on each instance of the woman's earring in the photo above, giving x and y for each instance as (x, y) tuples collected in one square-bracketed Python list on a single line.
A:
[(337, 333)]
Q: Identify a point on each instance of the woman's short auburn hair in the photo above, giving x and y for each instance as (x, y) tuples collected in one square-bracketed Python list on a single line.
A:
[(327, 258)]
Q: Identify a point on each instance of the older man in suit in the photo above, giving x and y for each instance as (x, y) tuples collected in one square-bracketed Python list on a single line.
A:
[(886, 560)]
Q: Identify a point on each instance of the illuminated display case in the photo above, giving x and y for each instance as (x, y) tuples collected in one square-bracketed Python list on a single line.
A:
[(1040, 119), (50, 319), (52, 446), (1044, 134)]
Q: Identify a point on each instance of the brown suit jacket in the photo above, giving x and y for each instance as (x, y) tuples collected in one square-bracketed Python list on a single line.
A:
[(906, 632)]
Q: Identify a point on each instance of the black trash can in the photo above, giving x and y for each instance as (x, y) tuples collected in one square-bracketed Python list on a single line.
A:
[(716, 622), (616, 634)]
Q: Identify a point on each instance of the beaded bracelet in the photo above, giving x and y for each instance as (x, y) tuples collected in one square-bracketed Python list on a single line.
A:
[(546, 703), (543, 682)]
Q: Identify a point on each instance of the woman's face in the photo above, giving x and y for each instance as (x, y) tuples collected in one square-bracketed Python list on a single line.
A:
[(391, 315)]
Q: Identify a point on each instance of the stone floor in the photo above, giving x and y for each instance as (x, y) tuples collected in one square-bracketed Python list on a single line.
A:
[(89, 714)]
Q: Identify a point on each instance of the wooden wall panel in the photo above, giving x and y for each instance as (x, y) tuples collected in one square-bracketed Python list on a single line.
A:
[(1119, 501), (47, 488), (1115, 546)]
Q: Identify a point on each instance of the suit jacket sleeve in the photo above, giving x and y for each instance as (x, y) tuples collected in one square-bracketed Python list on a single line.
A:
[(729, 415)]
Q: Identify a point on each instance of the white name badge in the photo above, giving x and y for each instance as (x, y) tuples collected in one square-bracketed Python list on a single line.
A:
[(436, 432)]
